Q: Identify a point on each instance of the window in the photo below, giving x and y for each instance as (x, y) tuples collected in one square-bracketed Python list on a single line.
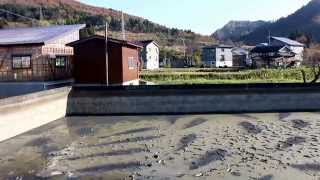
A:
[(223, 58), (131, 63), (61, 61), (222, 50), (21, 61)]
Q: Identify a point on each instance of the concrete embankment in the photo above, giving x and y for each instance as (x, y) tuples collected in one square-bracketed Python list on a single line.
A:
[(22, 113), (193, 99)]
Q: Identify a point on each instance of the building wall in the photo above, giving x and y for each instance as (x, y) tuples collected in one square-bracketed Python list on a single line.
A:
[(208, 56), (227, 53), (90, 62), (151, 57), (239, 60), (130, 74), (63, 40), (42, 66), (115, 63)]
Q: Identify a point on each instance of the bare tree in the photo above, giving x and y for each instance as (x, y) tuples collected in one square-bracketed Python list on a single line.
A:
[(315, 73)]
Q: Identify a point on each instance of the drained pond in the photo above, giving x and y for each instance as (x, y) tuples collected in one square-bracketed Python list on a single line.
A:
[(243, 146)]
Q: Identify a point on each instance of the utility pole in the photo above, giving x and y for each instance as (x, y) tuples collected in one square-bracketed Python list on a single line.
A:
[(41, 13), (123, 26), (107, 56), (184, 47), (269, 38)]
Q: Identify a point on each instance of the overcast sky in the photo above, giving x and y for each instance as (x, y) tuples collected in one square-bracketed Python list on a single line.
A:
[(202, 16)]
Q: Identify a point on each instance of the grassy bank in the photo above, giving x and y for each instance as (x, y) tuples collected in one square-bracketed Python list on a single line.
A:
[(228, 76)]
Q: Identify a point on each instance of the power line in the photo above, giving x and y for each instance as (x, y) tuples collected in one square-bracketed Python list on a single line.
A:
[(19, 15)]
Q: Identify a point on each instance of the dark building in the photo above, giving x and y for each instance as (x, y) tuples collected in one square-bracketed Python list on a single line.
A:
[(37, 54), (91, 64), (272, 56)]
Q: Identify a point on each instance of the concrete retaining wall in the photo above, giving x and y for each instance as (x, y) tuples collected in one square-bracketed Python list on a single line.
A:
[(23, 113), (193, 99)]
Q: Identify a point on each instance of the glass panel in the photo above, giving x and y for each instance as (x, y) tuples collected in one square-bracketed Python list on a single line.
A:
[(21, 62)]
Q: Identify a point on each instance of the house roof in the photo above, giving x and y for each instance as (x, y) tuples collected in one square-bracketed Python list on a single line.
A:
[(146, 42), (277, 51), (239, 51), (266, 49), (112, 40), (36, 35), (217, 46), (288, 41)]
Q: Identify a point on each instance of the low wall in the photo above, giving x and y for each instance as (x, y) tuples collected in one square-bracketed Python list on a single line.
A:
[(23, 113), (10, 89), (193, 99)]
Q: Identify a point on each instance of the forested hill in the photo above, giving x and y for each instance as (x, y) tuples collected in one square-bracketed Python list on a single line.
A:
[(74, 12), (303, 23)]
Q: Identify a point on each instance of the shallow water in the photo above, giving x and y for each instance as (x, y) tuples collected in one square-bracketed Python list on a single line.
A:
[(243, 146)]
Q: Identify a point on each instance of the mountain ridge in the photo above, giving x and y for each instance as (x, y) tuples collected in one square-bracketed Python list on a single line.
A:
[(235, 29), (305, 21)]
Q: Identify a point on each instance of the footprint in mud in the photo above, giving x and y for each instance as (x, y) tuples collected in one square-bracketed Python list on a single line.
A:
[(251, 128), (128, 140), (245, 116), (283, 116), (307, 167), (291, 141), (85, 132), (299, 124), (108, 154), (209, 157), (111, 167), (267, 177), (187, 141), (132, 131), (194, 123)]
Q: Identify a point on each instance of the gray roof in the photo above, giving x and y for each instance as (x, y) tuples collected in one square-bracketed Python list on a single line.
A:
[(288, 41), (218, 46), (36, 35), (239, 51)]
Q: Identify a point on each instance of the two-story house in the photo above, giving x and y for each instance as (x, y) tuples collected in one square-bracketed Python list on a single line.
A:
[(217, 56), (149, 55), (294, 46)]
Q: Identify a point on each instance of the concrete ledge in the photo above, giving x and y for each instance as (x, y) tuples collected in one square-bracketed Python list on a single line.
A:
[(23, 113), (193, 99)]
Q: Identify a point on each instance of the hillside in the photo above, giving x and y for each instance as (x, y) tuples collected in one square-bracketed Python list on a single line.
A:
[(74, 12), (305, 21), (235, 29)]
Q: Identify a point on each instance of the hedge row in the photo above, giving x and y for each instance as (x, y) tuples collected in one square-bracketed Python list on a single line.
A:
[(263, 74)]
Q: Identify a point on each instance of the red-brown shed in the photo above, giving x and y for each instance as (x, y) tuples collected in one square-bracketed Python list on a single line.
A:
[(90, 62)]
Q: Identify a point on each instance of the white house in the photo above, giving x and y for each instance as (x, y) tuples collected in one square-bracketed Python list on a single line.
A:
[(294, 46), (217, 56), (149, 55)]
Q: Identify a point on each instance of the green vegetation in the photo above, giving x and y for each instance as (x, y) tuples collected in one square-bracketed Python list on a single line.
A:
[(216, 76)]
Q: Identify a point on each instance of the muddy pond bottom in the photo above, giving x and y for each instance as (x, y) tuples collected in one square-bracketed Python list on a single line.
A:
[(239, 146)]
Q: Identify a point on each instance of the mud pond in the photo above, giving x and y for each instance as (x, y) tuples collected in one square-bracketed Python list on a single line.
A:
[(243, 146)]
